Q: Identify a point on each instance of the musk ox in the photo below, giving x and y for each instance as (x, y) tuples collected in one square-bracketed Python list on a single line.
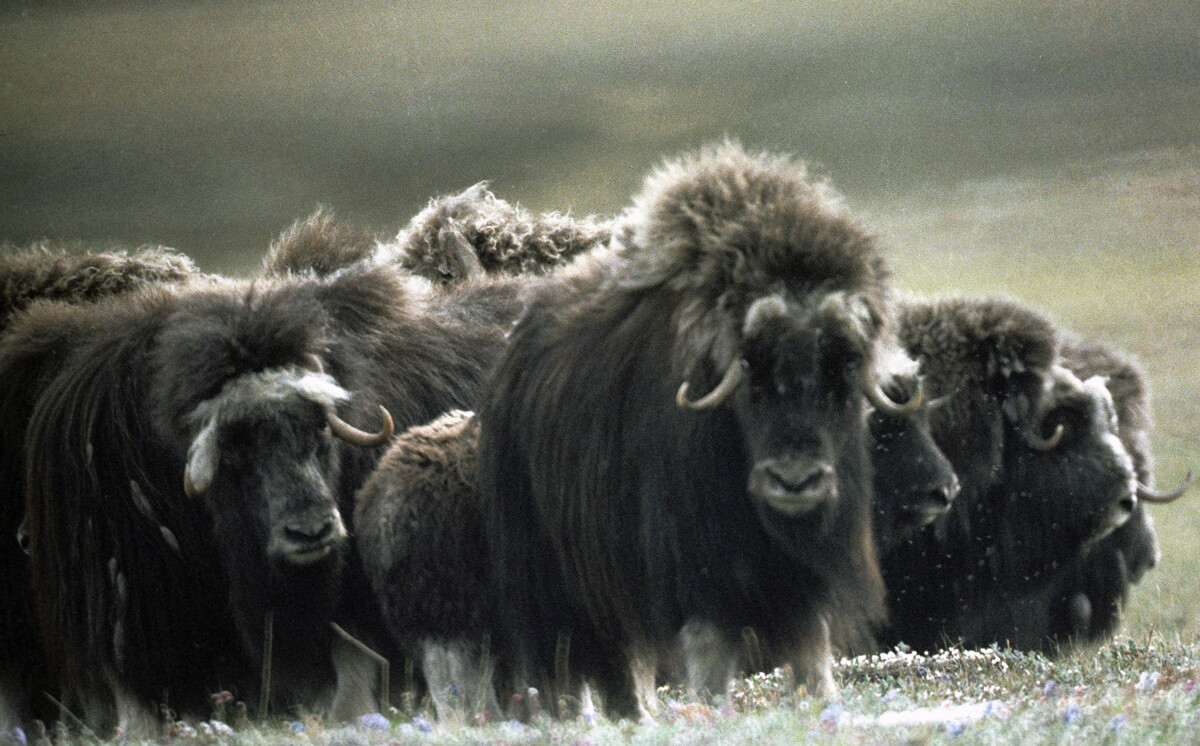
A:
[(27, 275), (914, 483), (421, 536), (625, 515), (1085, 602), (186, 461), (1043, 472), (420, 533)]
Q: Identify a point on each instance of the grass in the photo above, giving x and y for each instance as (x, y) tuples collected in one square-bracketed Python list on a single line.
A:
[(1126, 692)]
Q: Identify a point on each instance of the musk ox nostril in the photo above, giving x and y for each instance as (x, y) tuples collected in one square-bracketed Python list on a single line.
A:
[(305, 540), (1127, 503), (311, 532), (943, 495)]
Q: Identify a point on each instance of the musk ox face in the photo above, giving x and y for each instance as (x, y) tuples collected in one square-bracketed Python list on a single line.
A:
[(914, 482), (263, 460), (1071, 476), (798, 389)]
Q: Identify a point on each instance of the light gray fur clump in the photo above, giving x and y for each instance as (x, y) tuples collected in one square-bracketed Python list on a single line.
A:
[(461, 234)]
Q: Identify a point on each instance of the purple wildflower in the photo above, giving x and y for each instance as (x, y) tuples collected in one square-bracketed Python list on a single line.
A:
[(1147, 681), (955, 728), (1117, 723), (831, 717), (1072, 713), (422, 724), (375, 721), (1050, 687), (296, 726)]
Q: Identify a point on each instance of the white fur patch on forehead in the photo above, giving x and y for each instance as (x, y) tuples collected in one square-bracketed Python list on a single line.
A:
[(891, 362), (254, 393)]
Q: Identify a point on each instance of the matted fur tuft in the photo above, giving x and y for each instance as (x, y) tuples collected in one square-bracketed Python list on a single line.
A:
[(319, 244), (442, 242), (723, 216), (46, 272)]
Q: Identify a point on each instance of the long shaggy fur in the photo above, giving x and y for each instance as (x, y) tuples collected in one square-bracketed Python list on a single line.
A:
[(27, 275), (319, 245), (616, 517), (42, 272), (147, 593)]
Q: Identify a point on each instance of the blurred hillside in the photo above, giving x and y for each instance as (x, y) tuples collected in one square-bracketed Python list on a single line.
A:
[(209, 126)]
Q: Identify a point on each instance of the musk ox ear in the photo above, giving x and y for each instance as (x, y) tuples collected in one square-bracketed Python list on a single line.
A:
[(203, 456)]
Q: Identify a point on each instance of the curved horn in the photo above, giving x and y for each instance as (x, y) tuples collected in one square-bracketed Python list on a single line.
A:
[(880, 400), (354, 436), (941, 401), (1038, 443), (1154, 496), (312, 363), (189, 487), (729, 383)]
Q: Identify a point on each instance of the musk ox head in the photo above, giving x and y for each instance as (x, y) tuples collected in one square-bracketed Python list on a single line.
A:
[(1070, 475), (797, 386), (778, 312), (270, 434), (914, 482)]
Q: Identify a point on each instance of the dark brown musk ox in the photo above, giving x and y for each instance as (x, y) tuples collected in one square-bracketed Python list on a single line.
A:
[(185, 459), (67, 274), (1044, 475), (47, 271), (628, 516), (420, 533), (419, 530), (1084, 605)]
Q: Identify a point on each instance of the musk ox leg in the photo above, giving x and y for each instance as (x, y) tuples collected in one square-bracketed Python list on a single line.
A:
[(459, 679), (134, 716), (356, 673), (709, 659), (12, 702), (643, 669), (814, 661)]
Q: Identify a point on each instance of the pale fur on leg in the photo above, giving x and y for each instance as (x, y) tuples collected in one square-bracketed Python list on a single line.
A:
[(709, 660)]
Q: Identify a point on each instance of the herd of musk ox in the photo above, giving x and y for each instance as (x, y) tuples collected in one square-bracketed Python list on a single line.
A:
[(538, 457)]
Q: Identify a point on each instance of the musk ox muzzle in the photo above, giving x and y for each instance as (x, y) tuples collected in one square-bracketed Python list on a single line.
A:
[(306, 537), (794, 484), (934, 500)]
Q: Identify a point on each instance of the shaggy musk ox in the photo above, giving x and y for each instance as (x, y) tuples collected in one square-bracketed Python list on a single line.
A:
[(420, 533), (1044, 474), (44, 272), (27, 275), (186, 462), (1084, 604), (673, 448)]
